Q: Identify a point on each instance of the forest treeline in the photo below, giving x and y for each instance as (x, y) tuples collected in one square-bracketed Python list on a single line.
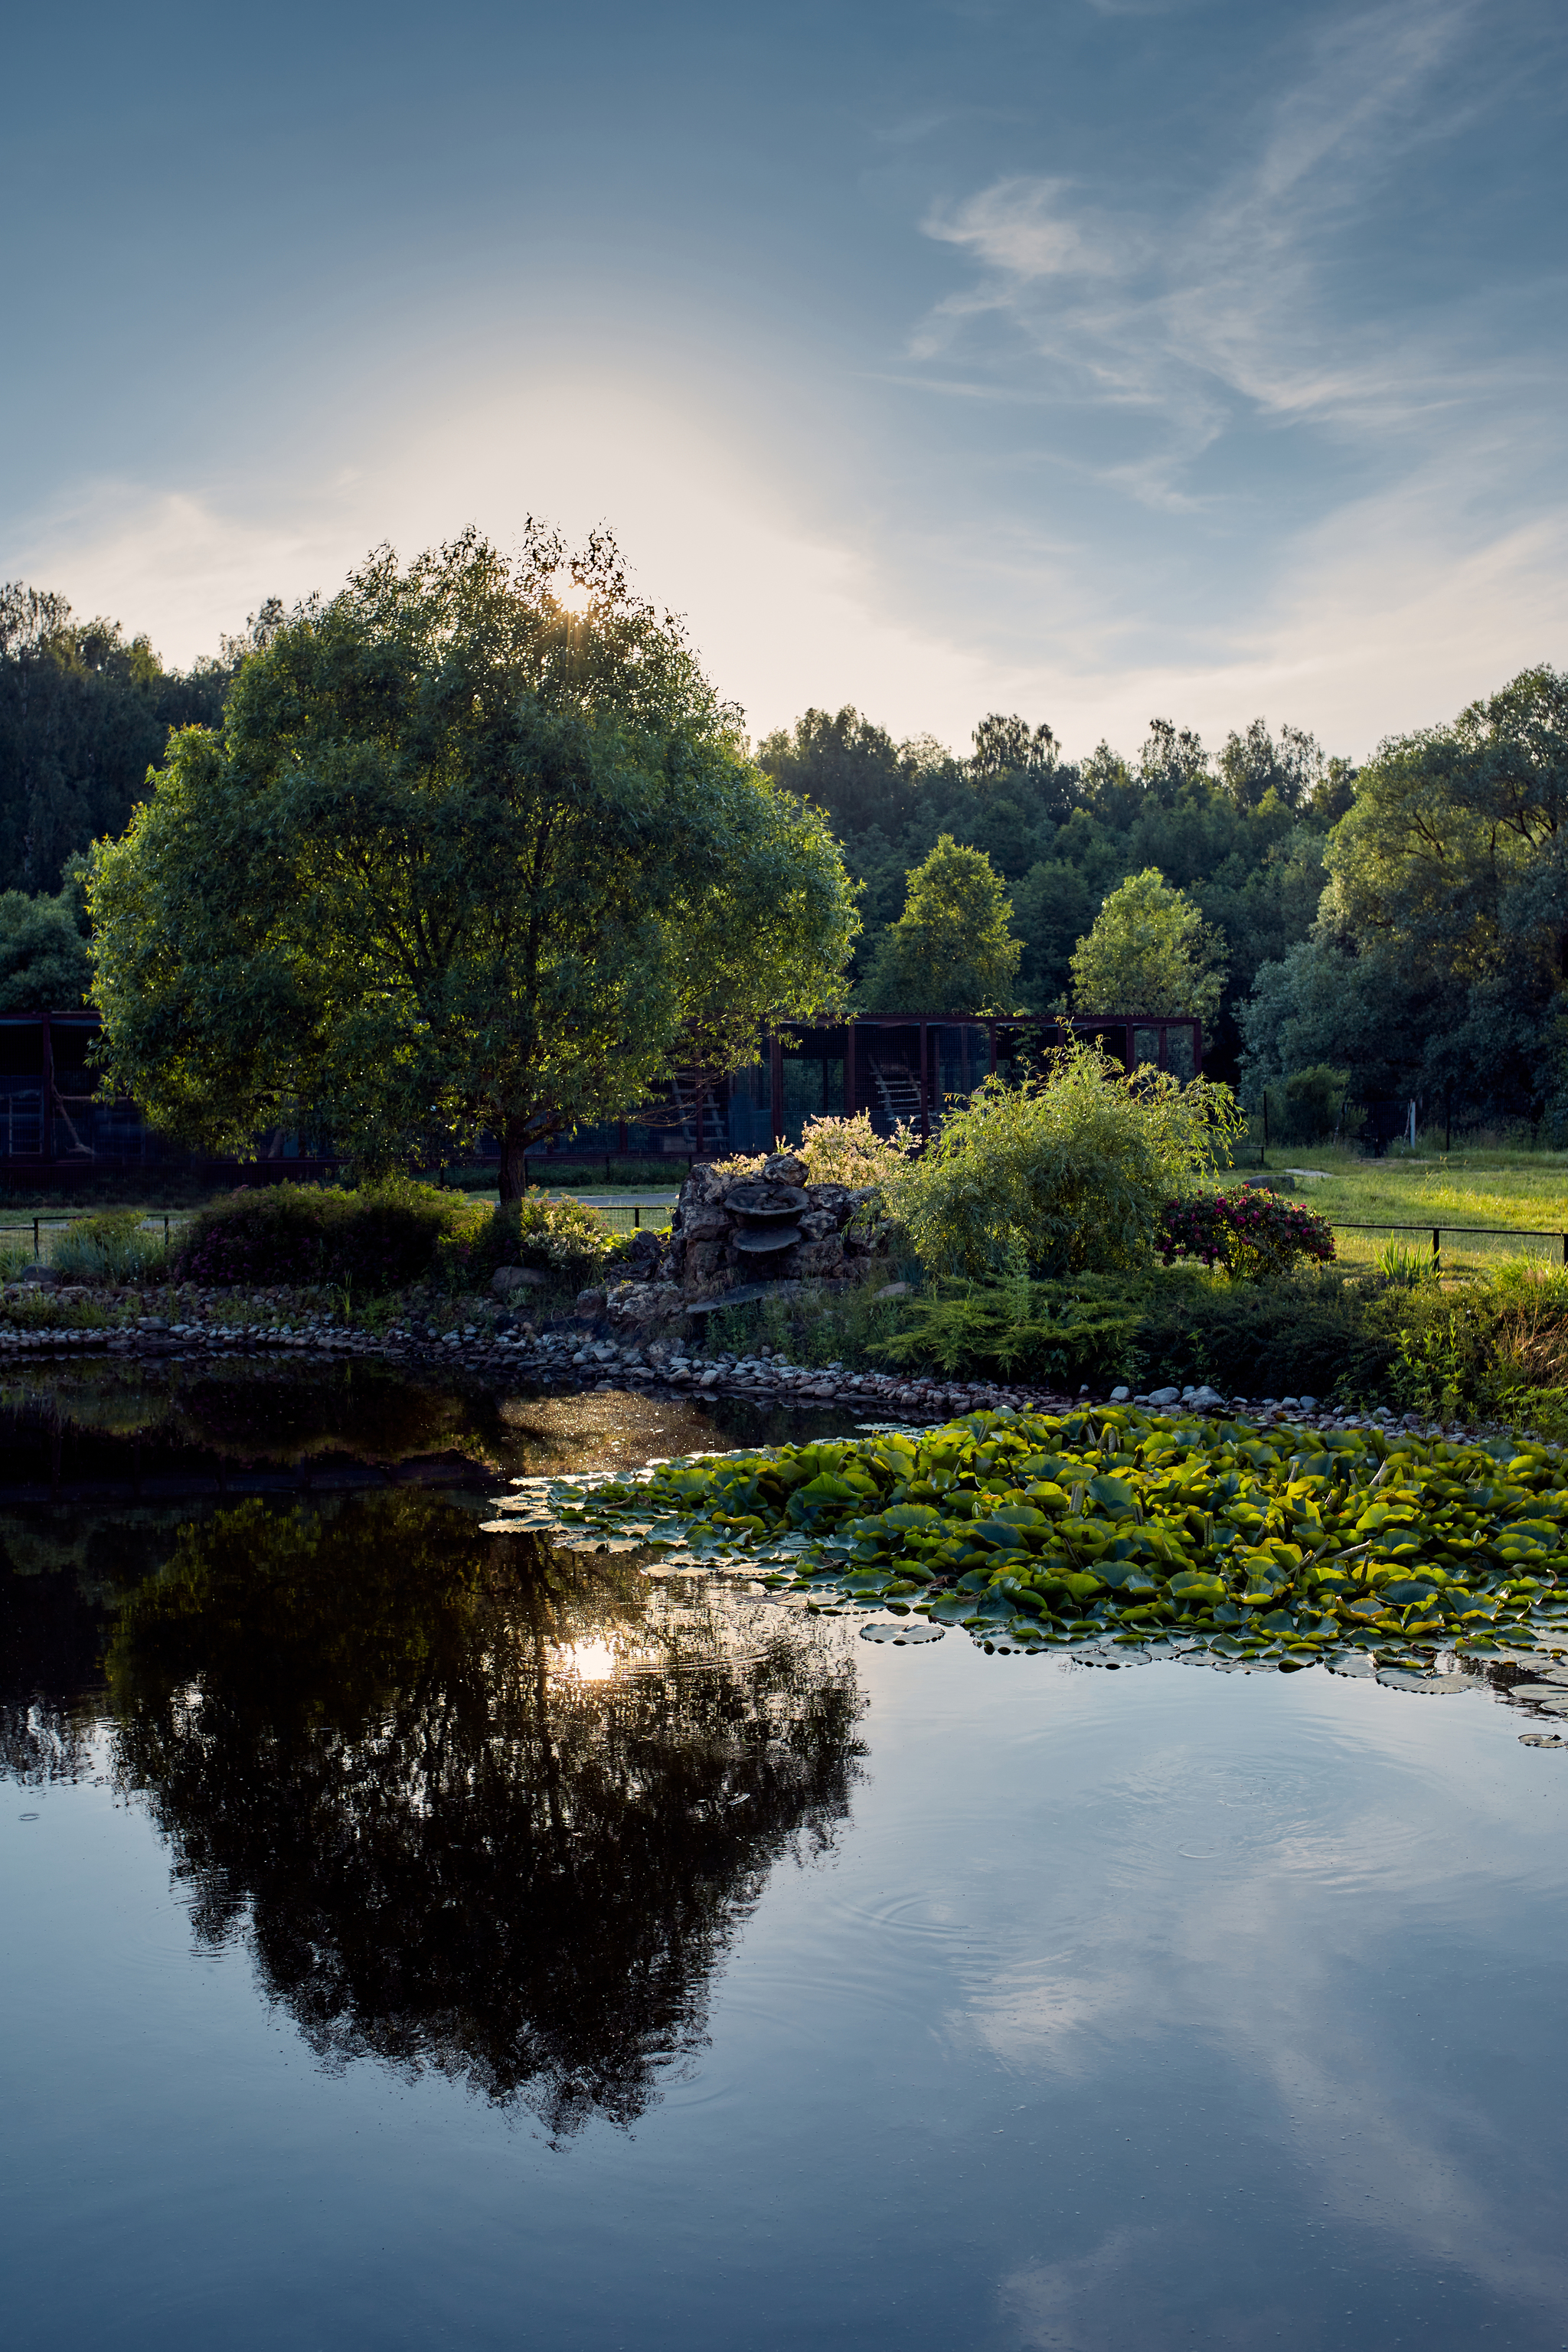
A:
[(1404, 926), (1242, 834)]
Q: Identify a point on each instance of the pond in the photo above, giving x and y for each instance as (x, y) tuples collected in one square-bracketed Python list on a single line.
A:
[(413, 1937)]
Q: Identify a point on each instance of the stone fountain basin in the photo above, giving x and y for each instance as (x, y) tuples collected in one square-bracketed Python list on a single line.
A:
[(762, 1207), (765, 1239)]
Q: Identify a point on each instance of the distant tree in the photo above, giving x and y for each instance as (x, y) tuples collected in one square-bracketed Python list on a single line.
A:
[(459, 861), (1149, 951), (951, 950), (1173, 761), (1008, 746), (84, 712), (851, 770), (1053, 906), (44, 966), (1253, 765)]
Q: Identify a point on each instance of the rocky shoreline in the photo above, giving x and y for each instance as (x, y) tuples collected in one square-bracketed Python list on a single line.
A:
[(579, 1359)]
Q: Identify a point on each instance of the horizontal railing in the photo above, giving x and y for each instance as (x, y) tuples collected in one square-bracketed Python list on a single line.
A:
[(1493, 1232)]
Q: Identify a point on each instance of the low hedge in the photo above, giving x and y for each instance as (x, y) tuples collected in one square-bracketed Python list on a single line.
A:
[(379, 1238), (1489, 1349)]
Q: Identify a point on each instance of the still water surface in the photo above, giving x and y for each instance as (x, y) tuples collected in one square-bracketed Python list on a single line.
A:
[(408, 1938)]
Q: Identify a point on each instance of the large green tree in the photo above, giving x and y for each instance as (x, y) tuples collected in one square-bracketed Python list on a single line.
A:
[(1438, 964), (460, 859), (951, 950), (1149, 950)]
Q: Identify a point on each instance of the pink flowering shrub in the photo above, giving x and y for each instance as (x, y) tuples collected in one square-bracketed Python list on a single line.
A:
[(1249, 1233)]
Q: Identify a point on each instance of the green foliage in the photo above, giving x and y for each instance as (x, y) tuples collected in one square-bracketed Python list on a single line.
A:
[(842, 1325), (461, 860), (1041, 1528), (375, 1239), (1050, 1332), (1307, 1107), (41, 1310), (1495, 1348), (553, 1235), (84, 712), (1437, 965), (44, 966), (1307, 1334), (1149, 951), (1061, 1174), (850, 1152), (114, 1246), (951, 950), (1405, 1268)]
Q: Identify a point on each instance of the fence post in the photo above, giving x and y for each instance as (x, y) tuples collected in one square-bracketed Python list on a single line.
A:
[(1436, 1251), (637, 1215), (165, 1229), (35, 1249)]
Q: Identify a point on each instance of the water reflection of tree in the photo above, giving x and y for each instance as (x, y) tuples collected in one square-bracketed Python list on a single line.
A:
[(479, 1817)]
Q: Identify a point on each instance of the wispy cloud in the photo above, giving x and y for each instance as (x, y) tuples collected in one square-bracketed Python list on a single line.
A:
[(1224, 308)]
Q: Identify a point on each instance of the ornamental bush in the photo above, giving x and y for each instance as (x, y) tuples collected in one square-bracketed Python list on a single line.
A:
[(1065, 1173), (545, 1231), (1251, 1233), (376, 1239), (114, 1247)]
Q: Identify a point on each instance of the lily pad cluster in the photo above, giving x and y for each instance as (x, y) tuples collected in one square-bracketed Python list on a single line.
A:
[(1044, 1530)]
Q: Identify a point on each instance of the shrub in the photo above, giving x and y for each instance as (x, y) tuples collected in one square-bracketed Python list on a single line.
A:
[(1305, 1334), (1047, 1331), (1062, 1173), (850, 1152), (1498, 1347), (115, 1247), (376, 1239), (1251, 1232), (552, 1235), (1306, 1109)]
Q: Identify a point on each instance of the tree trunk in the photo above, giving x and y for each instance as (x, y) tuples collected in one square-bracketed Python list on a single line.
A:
[(514, 1144)]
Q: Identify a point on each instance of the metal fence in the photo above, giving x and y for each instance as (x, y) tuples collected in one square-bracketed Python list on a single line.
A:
[(1557, 1252)]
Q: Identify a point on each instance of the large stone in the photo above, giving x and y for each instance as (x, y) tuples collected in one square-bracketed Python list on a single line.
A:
[(818, 1257), (703, 1187), (817, 1224), (783, 1168), (644, 1306), (703, 1222)]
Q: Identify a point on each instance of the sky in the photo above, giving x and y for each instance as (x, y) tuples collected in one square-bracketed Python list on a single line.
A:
[(1092, 359)]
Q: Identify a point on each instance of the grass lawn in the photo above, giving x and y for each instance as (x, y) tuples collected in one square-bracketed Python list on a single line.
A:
[(1501, 1190)]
